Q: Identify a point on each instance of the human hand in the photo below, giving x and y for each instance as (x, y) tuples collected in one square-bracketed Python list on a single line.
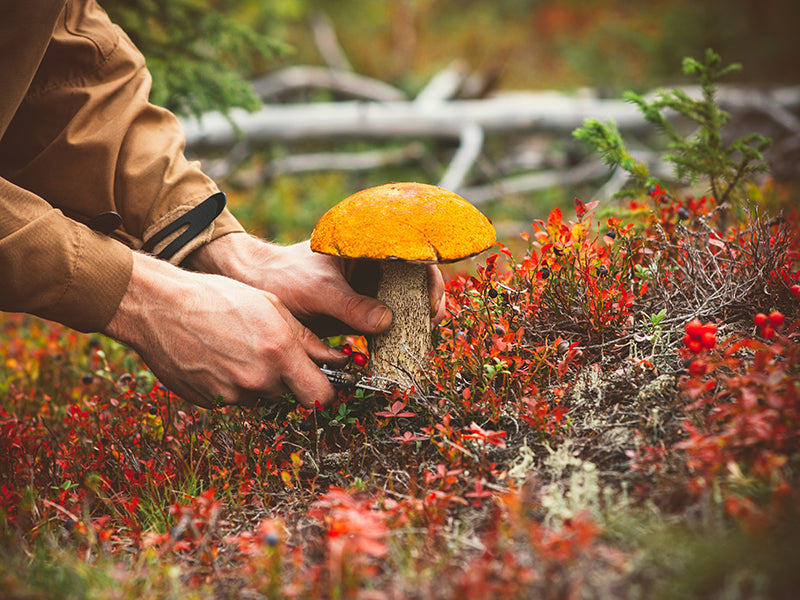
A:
[(213, 340), (324, 292)]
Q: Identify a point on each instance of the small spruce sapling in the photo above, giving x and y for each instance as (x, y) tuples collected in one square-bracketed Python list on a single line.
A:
[(700, 157)]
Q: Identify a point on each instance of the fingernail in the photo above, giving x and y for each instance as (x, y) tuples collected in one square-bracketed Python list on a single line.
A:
[(377, 318)]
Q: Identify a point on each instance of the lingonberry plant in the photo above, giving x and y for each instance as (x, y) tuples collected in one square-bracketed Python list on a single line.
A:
[(631, 375)]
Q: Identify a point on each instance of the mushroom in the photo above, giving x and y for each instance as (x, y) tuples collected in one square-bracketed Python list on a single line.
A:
[(404, 227)]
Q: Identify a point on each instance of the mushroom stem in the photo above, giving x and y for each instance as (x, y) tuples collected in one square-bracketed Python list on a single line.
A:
[(398, 353)]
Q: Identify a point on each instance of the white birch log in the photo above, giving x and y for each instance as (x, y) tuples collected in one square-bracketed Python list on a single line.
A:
[(511, 112), (461, 164), (380, 120)]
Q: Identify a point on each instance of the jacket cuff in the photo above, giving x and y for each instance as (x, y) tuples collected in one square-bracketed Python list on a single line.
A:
[(224, 224), (185, 228)]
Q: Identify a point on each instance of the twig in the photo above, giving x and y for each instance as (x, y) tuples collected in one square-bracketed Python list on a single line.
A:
[(530, 182), (291, 79), (218, 168), (444, 85), (464, 158), (327, 42)]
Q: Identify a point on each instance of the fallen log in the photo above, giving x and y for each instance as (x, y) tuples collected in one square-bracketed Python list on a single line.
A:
[(381, 120), (511, 112)]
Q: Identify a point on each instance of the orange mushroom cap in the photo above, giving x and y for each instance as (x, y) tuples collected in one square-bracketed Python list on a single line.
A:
[(408, 221)]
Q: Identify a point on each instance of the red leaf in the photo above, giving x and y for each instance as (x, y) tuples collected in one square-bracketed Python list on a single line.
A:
[(580, 208)]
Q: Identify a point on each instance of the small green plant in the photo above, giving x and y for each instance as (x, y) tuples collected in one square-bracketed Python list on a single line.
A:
[(700, 157), (657, 334), (343, 416)]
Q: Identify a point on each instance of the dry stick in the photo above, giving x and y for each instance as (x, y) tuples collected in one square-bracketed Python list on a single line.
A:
[(218, 168), (283, 82), (443, 86), (530, 182), (327, 41), (464, 158)]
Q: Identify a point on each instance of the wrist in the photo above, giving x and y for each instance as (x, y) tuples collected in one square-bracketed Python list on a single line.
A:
[(154, 284), (235, 255)]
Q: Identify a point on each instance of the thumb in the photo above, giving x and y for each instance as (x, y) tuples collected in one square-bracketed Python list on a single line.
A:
[(362, 313)]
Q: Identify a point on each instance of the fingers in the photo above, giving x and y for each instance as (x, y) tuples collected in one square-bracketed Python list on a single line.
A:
[(436, 292), (294, 371), (297, 362), (308, 383), (348, 304)]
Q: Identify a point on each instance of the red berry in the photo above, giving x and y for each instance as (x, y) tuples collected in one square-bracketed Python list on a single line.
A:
[(347, 349), (695, 346), (760, 319), (359, 359), (776, 318), (795, 290), (709, 340), (686, 339), (698, 368), (694, 328), (768, 332)]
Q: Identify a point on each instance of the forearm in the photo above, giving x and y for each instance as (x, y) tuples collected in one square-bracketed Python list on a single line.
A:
[(155, 288)]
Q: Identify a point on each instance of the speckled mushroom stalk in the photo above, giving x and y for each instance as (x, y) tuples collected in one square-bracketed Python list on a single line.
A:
[(403, 226), (397, 353)]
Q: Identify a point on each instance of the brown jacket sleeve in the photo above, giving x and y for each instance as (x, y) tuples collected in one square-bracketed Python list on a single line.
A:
[(82, 138), (55, 267)]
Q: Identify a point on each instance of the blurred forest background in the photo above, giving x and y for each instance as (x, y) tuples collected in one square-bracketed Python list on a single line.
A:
[(204, 53)]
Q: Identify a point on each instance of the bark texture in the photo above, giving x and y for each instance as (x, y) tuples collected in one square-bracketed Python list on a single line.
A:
[(399, 352)]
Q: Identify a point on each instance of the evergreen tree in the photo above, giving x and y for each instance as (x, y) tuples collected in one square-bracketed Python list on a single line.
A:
[(701, 156), (200, 51)]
